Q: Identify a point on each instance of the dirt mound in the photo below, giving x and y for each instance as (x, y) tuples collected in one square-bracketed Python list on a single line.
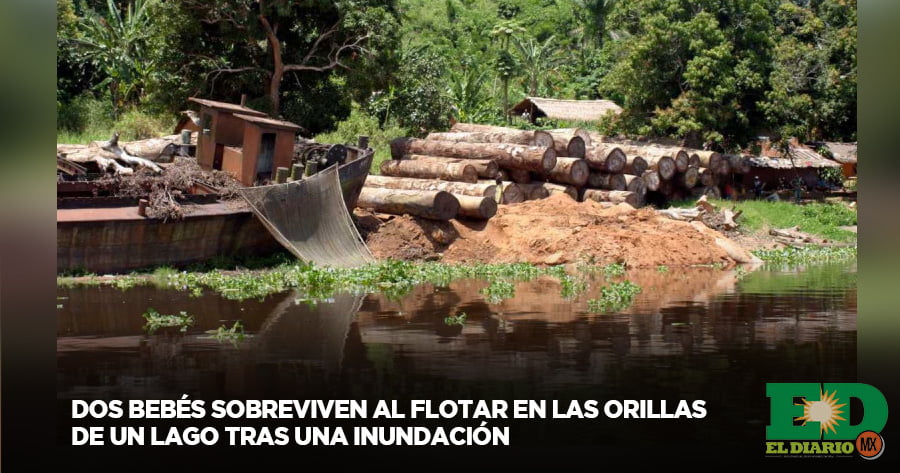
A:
[(556, 230)]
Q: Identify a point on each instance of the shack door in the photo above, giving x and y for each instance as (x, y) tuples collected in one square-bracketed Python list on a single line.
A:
[(266, 156)]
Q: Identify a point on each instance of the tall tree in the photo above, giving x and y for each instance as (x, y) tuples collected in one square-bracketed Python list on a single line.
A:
[(281, 38), (689, 69)]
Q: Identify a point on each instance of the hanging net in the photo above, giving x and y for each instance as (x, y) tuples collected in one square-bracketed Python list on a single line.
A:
[(310, 219)]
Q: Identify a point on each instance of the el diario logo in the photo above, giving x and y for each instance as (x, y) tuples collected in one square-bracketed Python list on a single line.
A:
[(813, 420)]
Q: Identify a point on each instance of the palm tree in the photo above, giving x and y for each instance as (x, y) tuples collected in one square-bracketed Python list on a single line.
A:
[(536, 60), (506, 64), (117, 45)]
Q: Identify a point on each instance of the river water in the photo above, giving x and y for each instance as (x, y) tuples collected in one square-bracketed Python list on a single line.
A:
[(697, 334)]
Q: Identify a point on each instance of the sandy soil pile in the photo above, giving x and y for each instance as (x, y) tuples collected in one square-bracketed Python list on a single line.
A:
[(556, 230)]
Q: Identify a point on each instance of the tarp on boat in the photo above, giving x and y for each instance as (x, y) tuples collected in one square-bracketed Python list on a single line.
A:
[(309, 217)]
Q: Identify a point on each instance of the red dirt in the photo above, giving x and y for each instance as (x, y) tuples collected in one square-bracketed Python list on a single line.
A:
[(556, 230)]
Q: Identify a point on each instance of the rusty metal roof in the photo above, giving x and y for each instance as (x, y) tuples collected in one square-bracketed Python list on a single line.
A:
[(227, 107), (270, 122)]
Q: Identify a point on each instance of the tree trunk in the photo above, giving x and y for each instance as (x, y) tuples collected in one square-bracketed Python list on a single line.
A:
[(635, 184), (651, 180), (694, 161), (664, 164), (572, 171), (708, 177), (511, 193), (528, 158), (739, 164), (602, 180), (480, 189), (606, 158), (687, 179), (519, 176), (492, 134), (584, 134), (709, 159), (567, 142), (636, 165), (447, 171), (616, 197), (486, 168), (434, 205), (570, 191), (478, 208), (534, 191), (682, 160)]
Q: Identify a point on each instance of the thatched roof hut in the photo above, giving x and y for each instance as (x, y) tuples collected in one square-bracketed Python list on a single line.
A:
[(573, 110)]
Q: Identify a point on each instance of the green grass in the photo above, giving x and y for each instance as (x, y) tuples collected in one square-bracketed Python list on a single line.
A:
[(819, 219)]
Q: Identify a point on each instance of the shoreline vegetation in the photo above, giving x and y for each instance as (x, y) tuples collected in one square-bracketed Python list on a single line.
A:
[(396, 278)]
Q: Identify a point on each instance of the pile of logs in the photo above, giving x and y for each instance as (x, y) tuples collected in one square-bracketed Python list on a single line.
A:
[(474, 160)]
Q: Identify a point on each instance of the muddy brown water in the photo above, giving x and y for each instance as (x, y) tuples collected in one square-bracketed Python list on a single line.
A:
[(710, 334)]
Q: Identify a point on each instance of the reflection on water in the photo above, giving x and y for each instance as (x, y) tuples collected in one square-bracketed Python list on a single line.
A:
[(691, 334)]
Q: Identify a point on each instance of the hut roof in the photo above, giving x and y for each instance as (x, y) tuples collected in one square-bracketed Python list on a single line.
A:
[(844, 153), (575, 110), (227, 107), (803, 157), (269, 122)]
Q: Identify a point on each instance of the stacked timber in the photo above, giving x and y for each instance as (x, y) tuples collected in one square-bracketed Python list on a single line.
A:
[(476, 163)]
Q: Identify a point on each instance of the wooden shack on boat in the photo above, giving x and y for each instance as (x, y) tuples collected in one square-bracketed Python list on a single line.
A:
[(243, 142)]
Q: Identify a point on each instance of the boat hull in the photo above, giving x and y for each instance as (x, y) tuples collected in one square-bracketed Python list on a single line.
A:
[(104, 240)]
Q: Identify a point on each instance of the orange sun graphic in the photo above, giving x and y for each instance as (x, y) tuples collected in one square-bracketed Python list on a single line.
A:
[(826, 411)]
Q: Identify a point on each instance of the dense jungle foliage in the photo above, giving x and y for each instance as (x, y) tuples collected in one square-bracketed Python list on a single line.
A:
[(714, 71)]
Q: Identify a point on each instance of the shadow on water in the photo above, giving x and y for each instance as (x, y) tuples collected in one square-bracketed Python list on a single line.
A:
[(702, 333)]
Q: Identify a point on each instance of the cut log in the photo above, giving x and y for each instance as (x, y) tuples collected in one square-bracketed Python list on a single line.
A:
[(534, 191), (486, 168), (602, 180), (520, 176), (694, 161), (570, 142), (708, 177), (724, 167), (478, 208), (708, 159), (573, 171), (570, 191), (664, 164), (739, 164), (480, 189), (635, 184), (606, 158), (651, 179), (616, 197), (447, 171), (635, 164), (499, 135), (511, 193), (688, 178), (580, 132), (162, 149), (528, 158), (682, 160), (711, 191), (434, 205), (503, 175), (510, 135), (113, 147)]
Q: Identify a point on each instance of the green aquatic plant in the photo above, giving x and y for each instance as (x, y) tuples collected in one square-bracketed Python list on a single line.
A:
[(235, 334), (614, 270), (499, 290), (614, 297), (156, 321), (571, 286), (808, 254), (458, 319)]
